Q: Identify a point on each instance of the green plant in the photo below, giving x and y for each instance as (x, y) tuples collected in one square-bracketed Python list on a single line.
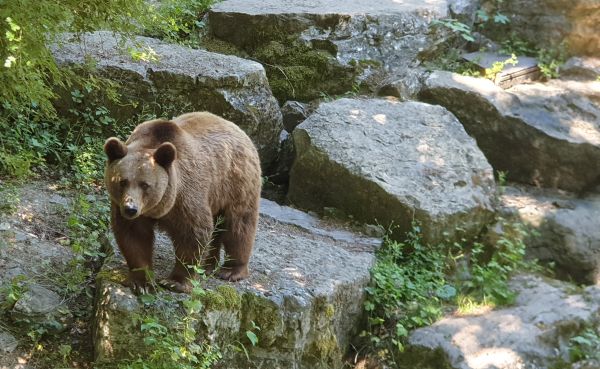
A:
[(408, 291), (9, 197), (550, 60), (29, 72), (456, 26), (174, 346), (252, 337), (12, 291), (178, 20), (585, 346), (498, 67), (492, 269), (414, 283)]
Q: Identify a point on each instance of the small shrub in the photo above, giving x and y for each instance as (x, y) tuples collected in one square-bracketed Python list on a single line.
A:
[(585, 346), (178, 20), (408, 291), (414, 283), (174, 345)]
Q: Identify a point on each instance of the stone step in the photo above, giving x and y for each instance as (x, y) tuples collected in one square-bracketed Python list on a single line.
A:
[(566, 226), (318, 46), (545, 134), (178, 79), (305, 292), (387, 162), (534, 333)]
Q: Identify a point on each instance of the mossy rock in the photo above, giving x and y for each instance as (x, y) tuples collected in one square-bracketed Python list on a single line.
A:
[(311, 50), (303, 300)]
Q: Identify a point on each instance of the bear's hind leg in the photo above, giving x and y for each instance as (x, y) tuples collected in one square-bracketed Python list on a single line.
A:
[(238, 241)]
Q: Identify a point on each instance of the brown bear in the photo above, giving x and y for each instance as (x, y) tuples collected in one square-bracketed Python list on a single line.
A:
[(182, 175)]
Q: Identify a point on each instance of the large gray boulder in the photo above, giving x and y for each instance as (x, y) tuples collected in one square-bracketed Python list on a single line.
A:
[(315, 46), (388, 162), (566, 226), (547, 23), (542, 134), (305, 293), (532, 334), (175, 79)]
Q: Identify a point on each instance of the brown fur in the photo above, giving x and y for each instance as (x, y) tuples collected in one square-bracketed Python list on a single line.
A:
[(181, 175)]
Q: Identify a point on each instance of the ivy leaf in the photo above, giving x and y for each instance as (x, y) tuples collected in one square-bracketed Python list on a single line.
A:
[(501, 18), (446, 292)]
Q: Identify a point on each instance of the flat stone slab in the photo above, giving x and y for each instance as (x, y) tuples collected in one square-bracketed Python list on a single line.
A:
[(567, 229), (388, 162), (370, 37), (178, 79), (324, 7), (542, 134), (305, 292), (532, 334)]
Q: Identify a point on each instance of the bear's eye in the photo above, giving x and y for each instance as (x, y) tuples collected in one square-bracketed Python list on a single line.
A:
[(144, 186), (123, 182)]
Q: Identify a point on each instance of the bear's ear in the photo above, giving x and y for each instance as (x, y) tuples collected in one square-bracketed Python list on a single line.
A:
[(165, 154), (114, 149)]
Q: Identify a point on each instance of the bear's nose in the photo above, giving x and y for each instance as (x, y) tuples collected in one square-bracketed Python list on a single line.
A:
[(130, 210)]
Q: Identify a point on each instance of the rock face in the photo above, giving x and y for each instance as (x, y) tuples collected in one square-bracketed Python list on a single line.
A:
[(333, 45), (532, 334), (542, 134), (404, 85), (390, 162), (43, 307), (305, 293), (32, 263), (8, 343), (294, 113), (547, 23), (178, 79), (581, 69), (567, 227)]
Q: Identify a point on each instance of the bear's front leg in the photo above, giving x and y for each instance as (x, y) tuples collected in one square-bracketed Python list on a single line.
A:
[(190, 245), (135, 239)]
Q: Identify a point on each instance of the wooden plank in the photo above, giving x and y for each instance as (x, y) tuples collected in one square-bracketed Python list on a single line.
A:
[(525, 70)]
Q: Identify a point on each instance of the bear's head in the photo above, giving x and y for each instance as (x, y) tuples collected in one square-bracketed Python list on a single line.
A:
[(137, 179)]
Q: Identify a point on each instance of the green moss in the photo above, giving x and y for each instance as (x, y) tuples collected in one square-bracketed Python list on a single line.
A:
[(329, 311), (325, 350), (421, 357), (221, 47), (265, 314), (118, 276), (223, 297), (297, 71), (365, 63)]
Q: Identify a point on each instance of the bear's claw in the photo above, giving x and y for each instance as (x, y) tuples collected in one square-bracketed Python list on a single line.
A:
[(234, 274), (176, 286)]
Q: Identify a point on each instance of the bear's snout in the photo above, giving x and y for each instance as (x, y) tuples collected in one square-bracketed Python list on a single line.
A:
[(130, 210)]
